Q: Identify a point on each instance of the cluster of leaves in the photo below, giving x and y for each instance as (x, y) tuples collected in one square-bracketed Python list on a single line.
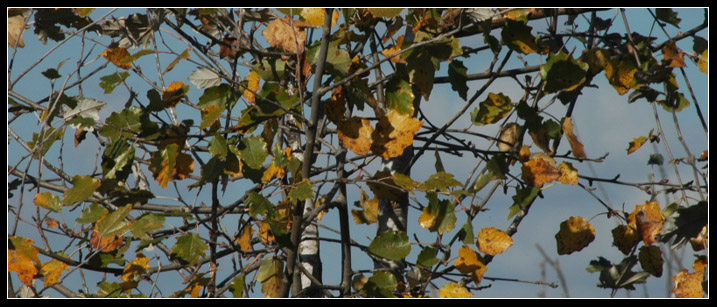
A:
[(244, 134)]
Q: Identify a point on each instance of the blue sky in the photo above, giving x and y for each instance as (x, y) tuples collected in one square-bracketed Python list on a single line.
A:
[(604, 122)]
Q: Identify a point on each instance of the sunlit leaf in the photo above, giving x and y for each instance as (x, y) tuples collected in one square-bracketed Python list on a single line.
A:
[(53, 270), (399, 96), (390, 245), (621, 74), (116, 56), (688, 285), (651, 260), (48, 200), (237, 287), (453, 290), (189, 247), (648, 220), (114, 223), (270, 275), (470, 262), (252, 79), (143, 227), (280, 34), (672, 55), (134, 270), (493, 241), (394, 132), (22, 259), (355, 133), (390, 51), (106, 245), (315, 16), (574, 235), (704, 62), (82, 188), (439, 215), (494, 108)]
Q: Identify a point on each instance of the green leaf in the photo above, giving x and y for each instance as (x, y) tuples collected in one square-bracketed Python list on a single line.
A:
[(114, 224), (117, 160), (302, 191), (458, 78), (675, 102), (683, 224), (237, 286), (110, 82), (82, 189), (218, 146), (655, 159), (220, 95), (272, 100), (390, 245), (258, 204), (427, 257), (189, 248), (494, 108), (48, 201), (668, 15), (439, 216), (86, 108), (145, 225), (131, 58), (399, 96), (253, 151), (381, 284), (440, 181), (271, 69), (45, 139), (466, 233), (51, 73), (516, 35), (621, 275), (338, 61), (523, 197), (563, 73), (91, 214), (124, 124)]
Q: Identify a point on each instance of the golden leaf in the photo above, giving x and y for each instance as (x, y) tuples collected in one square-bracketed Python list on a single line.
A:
[(538, 171), (133, 271), (265, 234), (574, 235), (700, 242), (636, 144), (453, 290), (173, 94), (116, 55), (280, 34), (253, 79), (470, 262), (625, 237), (272, 172), (369, 213), (388, 52), (315, 16), (647, 219), (688, 285), (621, 74), (106, 244), (596, 58), (244, 239), (53, 270), (394, 132), (355, 133), (672, 55), (568, 174), (22, 259), (493, 241), (704, 62), (575, 145)]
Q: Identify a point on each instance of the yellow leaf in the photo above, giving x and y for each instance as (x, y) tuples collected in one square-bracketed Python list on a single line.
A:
[(621, 74), (394, 132), (252, 87), (704, 62), (173, 94), (315, 16), (672, 55), (22, 259), (355, 133), (700, 242), (116, 55), (625, 237), (574, 235), (280, 34), (538, 171), (688, 285), (453, 290), (369, 213), (388, 52), (647, 219), (651, 260), (272, 172), (133, 271), (265, 234), (14, 30), (244, 240), (493, 241), (575, 145), (470, 262), (53, 270), (636, 144), (568, 174)]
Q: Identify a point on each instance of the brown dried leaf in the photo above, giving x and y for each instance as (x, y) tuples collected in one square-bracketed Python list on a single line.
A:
[(575, 145)]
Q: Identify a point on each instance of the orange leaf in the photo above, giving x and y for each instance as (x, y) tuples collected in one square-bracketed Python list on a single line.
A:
[(673, 55), (575, 145), (133, 271), (647, 219), (636, 144), (253, 79), (174, 93), (493, 241), (470, 262), (106, 244), (539, 170), (394, 132), (355, 134), (688, 285), (116, 55), (279, 34), (22, 259), (574, 235)]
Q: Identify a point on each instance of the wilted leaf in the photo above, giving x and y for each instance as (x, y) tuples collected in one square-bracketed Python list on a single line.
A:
[(22, 259), (493, 241), (439, 215), (168, 164), (684, 224), (280, 34), (189, 247), (492, 109), (270, 275), (453, 290), (575, 145), (48, 200), (394, 132), (390, 245), (470, 262), (508, 136), (15, 28), (82, 188), (116, 56), (574, 235), (651, 260), (688, 285), (355, 133), (625, 237)]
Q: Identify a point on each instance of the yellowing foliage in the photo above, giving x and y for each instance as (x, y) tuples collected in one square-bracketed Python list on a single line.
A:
[(453, 290), (394, 132), (53, 270), (493, 241), (22, 259), (647, 219), (280, 34), (355, 133), (574, 235), (470, 262), (252, 87), (116, 55), (575, 145), (688, 285)]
